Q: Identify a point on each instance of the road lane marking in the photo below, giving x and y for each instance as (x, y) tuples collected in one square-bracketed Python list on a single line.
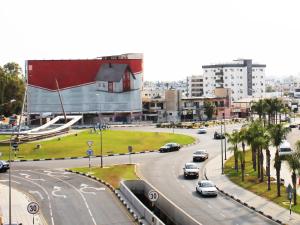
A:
[(222, 215), (48, 197), (27, 176), (56, 173), (56, 189), (11, 181), (37, 193), (85, 186), (81, 195)]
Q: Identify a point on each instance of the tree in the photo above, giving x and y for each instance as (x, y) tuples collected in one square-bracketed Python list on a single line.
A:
[(234, 139), (11, 87), (209, 109), (242, 137), (260, 108), (294, 165), (277, 133)]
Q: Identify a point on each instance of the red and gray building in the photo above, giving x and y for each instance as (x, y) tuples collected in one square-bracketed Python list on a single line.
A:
[(106, 88)]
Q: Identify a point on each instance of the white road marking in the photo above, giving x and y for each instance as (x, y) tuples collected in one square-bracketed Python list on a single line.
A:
[(56, 189), (82, 196), (11, 181), (222, 215), (56, 173), (50, 207), (209, 206), (85, 186), (27, 176), (38, 193)]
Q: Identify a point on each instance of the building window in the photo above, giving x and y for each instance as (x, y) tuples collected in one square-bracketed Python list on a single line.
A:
[(241, 70)]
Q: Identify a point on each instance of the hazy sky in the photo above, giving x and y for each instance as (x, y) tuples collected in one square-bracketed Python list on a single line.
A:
[(176, 37)]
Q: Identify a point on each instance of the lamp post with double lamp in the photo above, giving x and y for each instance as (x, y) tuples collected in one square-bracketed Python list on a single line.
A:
[(100, 128), (9, 171)]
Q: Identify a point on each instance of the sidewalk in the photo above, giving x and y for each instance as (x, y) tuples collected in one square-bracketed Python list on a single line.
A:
[(258, 203), (19, 208)]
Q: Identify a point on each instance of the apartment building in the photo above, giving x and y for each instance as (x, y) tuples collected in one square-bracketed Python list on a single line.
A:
[(242, 76), (194, 86)]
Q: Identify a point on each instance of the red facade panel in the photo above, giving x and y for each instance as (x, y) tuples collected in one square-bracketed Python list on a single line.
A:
[(70, 73)]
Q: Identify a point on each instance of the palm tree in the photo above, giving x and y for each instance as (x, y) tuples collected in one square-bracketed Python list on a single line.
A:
[(234, 139), (278, 133), (242, 135), (260, 108), (294, 165)]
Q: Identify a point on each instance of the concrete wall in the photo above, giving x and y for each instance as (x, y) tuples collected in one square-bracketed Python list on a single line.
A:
[(177, 215)]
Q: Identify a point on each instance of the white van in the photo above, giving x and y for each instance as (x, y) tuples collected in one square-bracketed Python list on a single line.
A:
[(285, 148)]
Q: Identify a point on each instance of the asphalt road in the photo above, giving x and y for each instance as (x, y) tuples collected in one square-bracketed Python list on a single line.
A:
[(69, 199), (164, 171)]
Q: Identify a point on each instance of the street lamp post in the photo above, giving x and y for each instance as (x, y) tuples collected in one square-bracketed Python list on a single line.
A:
[(9, 171), (224, 136), (101, 146), (222, 163)]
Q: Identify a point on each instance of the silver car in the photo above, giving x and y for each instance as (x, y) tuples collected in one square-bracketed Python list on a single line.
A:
[(206, 188)]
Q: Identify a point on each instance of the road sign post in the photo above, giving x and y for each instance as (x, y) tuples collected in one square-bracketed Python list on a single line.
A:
[(89, 153), (33, 208), (289, 190), (129, 151)]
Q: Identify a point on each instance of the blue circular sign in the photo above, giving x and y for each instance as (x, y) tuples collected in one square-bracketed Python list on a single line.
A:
[(89, 152)]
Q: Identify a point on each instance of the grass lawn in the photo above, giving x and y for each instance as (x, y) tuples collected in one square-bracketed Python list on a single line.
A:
[(112, 175), (4, 137), (113, 142), (251, 183)]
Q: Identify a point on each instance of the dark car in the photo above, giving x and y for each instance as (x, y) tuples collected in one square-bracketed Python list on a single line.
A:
[(4, 166), (169, 147), (218, 135)]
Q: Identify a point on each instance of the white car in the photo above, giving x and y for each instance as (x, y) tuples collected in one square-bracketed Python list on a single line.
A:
[(202, 130), (200, 155), (206, 188), (191, 169)]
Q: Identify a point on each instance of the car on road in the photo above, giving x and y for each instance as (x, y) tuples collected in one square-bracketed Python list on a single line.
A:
[(191, 170), (206, 188), (4, 166), (200, 155), (293, 125), (202, 130), (285, 148), (218, 135), (169, 147)]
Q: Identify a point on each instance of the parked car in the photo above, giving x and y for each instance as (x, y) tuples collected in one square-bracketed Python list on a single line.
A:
[(191, 169), (218, 135), (202, 130), (4, 166), (200, 155), (169, 147), (206, 188)]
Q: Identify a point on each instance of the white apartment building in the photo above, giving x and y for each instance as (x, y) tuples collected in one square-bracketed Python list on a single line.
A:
[(243, 77), (194, 86)]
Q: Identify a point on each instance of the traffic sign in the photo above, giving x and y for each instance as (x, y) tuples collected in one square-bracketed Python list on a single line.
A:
[(153, 195), (89, 152), (89, 143), (15, 145), (33, 207)]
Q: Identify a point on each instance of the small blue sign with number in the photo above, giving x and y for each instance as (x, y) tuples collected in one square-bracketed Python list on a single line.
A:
[(89, 152)]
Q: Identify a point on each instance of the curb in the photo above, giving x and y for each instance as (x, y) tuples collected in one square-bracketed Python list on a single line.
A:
[(135, 217), (246, 204), (96, 156)]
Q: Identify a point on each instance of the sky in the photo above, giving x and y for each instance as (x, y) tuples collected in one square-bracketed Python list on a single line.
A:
[(176, 37)]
